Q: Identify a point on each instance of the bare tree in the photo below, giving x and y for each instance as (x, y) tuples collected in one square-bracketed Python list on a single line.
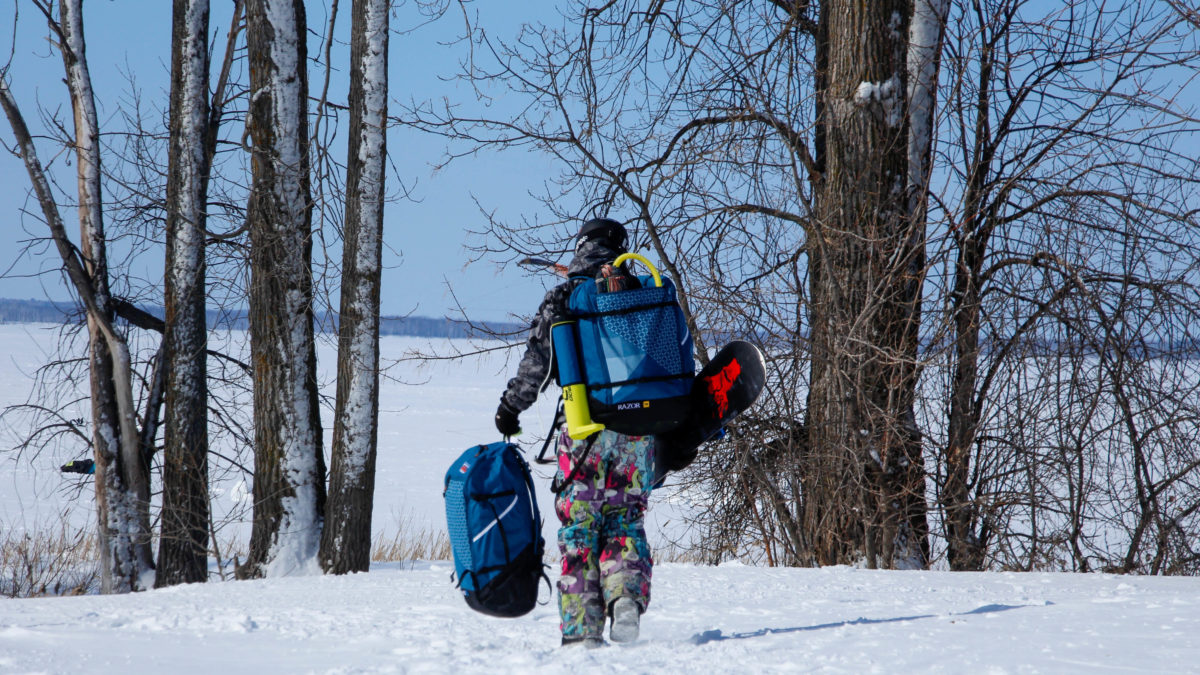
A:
[(183, 543), (346, 540), (1069, 243), (122, 482), (726, 170), (1189, 14), (289, 468)]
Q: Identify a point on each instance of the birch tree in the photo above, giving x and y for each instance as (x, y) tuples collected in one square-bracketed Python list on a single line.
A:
[(926, 33), (122, 480), (183, 544), (346, 539), (289, 468)]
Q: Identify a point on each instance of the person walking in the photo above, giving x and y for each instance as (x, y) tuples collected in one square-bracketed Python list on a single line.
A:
[(603, 481)]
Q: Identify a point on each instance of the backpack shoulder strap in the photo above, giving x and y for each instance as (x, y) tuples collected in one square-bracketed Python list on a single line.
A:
[(559, 419), (556, 487)]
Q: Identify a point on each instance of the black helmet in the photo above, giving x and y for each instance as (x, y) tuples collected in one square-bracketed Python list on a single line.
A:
[(603, 228)]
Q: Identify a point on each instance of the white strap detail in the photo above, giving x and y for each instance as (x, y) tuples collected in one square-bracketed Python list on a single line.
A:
[(493, 523)]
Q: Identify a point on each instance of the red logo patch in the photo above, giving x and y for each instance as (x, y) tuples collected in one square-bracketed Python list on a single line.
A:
[(720, 384), (464, 467)]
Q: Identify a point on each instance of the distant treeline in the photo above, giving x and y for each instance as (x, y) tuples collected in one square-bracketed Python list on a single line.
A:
[(45, 311)]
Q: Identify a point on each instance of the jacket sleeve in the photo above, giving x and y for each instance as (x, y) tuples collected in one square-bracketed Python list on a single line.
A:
[(534, 371)]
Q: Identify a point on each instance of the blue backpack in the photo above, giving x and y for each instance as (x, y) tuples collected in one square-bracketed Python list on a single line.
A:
[(495, 529), (635, 353)]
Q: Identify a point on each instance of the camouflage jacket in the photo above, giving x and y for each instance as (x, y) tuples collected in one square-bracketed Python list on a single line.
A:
[(533, 374)]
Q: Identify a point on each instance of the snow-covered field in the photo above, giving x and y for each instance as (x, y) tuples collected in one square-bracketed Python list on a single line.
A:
[(409, 618), (400, 619)]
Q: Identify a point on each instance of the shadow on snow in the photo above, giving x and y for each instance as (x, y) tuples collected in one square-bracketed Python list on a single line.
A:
[(717, 636)]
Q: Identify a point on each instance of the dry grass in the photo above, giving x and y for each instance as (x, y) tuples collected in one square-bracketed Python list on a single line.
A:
[(408, 544), (424, 544), (48, 563), (64, 562), (675, 554)]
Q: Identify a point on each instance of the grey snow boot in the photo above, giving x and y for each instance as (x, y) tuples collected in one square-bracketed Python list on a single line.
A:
[(625, 616)]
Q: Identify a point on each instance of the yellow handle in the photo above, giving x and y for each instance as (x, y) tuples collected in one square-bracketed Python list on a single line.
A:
[(642, 259), (579, 418)]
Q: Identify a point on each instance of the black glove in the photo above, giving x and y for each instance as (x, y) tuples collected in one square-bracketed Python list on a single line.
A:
[(506, 420)]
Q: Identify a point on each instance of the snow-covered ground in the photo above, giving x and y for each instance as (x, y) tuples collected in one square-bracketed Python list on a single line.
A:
[(409, 617), (732, 618)]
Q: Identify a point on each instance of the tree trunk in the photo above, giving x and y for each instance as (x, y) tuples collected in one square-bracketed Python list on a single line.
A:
[(289, 469), (346, 540), (965, 548), (118, 568), (926, 35), (183, 546), (122, 476), (864, 474)]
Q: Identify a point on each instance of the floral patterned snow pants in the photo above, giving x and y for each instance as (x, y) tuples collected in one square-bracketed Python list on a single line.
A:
[(602, 538)]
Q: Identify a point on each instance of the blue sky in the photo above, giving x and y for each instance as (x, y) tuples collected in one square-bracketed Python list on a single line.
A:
[(425, 235)]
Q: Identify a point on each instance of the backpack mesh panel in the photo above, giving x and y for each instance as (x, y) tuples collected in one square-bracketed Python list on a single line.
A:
[(456, 521)]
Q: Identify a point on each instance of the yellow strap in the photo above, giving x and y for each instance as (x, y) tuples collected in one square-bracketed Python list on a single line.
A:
[(642, 259)]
